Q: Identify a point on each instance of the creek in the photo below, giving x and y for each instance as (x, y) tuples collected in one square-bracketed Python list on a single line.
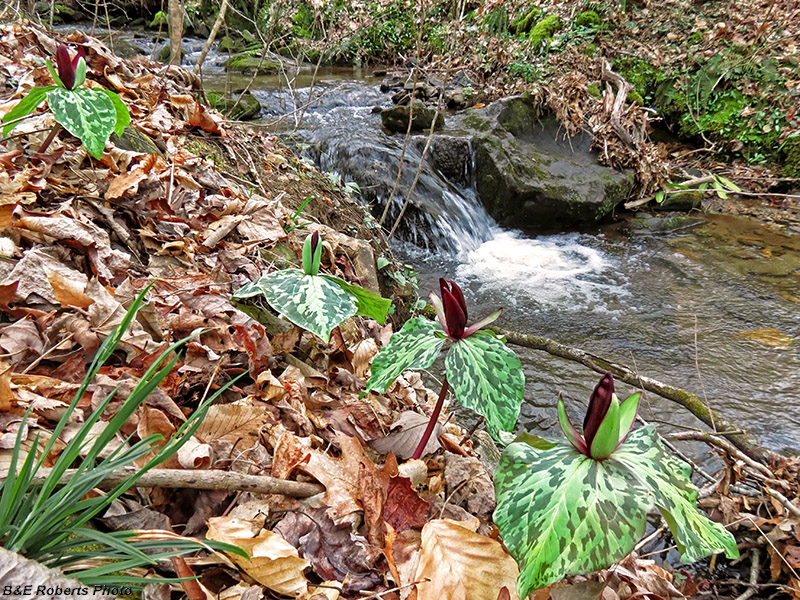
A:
[(708, 303)]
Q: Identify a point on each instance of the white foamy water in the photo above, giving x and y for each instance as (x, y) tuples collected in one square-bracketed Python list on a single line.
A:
[(547, 271)]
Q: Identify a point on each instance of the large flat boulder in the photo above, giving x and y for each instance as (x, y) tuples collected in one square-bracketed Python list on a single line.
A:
[(530, 176)]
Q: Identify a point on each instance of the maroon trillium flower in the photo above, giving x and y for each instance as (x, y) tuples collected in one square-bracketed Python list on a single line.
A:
[(451, 309), (607, 423), (67, 66)]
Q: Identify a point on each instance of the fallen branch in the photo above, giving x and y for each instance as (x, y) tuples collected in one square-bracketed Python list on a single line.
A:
[(693, 403), (201, 480)]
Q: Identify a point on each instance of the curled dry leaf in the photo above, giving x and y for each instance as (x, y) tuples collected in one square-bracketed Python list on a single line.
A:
[(273, 562), (406, 432), (456, 563)]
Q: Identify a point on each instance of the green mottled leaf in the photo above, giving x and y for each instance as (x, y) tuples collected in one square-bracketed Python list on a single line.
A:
[(25, 107), (415, 346), (87, 114), (309, 301), (123, 115), (562, 513), (487, 377), (669, 479), (249, 290), (369, 304)]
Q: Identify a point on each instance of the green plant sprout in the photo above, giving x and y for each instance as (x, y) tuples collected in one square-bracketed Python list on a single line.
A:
[(295, 218), (574, 508), (312, 300), (722, 186), (88, 114), (49, 522), (485, 375)]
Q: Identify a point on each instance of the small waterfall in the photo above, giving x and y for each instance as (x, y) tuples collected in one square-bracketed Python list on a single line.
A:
[(342, 132)]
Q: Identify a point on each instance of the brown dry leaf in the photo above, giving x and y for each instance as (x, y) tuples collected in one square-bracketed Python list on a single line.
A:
[(6, 395), (404, 509), (406, 433), (130, 181), (237, 423), (195, 455), (404, 553), (68, 290), (769, 337), (273, 562), (458, 564)]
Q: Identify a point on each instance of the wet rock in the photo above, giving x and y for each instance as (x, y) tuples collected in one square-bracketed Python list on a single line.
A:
[(528, 176), (240, 107), (422, 118), (252, 64), (451, 155), (684, 200)]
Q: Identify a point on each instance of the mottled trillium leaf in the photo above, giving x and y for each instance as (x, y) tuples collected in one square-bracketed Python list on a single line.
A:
[(123, 115), (25, 107), (86, 113), (562, 513), (487, 377), (415, 346), (309, 301), (369, 304), (669, 480)]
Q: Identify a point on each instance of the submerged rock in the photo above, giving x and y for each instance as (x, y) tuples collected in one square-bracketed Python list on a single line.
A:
[(530, 177), (247, 63)]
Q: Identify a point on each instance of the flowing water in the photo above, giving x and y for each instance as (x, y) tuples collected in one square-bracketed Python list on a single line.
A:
[(708, 304)]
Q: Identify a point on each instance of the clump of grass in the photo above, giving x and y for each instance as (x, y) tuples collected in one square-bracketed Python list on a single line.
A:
[(49, 522)]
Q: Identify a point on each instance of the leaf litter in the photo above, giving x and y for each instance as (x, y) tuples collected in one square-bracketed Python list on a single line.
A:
[(205, 210)]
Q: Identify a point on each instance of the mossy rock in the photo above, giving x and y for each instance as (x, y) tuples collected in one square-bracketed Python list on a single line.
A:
[(229, 44), (241, 107), (683, 201), (134, 140), (526, 20), (594, 91), (791, 158), (544, 30), (589, 19), (163, 54), (247, 63)]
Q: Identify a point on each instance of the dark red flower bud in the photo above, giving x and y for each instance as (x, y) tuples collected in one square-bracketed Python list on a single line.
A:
[(598, 407), (455, 308), (314, 242), (67, 66), (66, 71)]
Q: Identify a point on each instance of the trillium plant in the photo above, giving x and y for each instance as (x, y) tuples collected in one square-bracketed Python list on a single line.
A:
[(87, 113), (312, 300), (576, 507), (484, 374)]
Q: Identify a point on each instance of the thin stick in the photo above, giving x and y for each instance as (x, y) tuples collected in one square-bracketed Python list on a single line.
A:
[(214, 30), (199, 479)]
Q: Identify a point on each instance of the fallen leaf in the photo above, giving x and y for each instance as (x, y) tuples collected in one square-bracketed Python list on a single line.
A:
[(69, 291), (768, 337), (404, 509), (405, 435), (273, 562), (456, 563)]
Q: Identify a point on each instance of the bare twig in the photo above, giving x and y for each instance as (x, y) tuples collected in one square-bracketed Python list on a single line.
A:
[(211, 36), (200, 479), (755, 562)]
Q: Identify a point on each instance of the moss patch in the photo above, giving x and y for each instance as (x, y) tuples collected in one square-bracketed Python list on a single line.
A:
[(589, 19), (524, 22), (544, 30)]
